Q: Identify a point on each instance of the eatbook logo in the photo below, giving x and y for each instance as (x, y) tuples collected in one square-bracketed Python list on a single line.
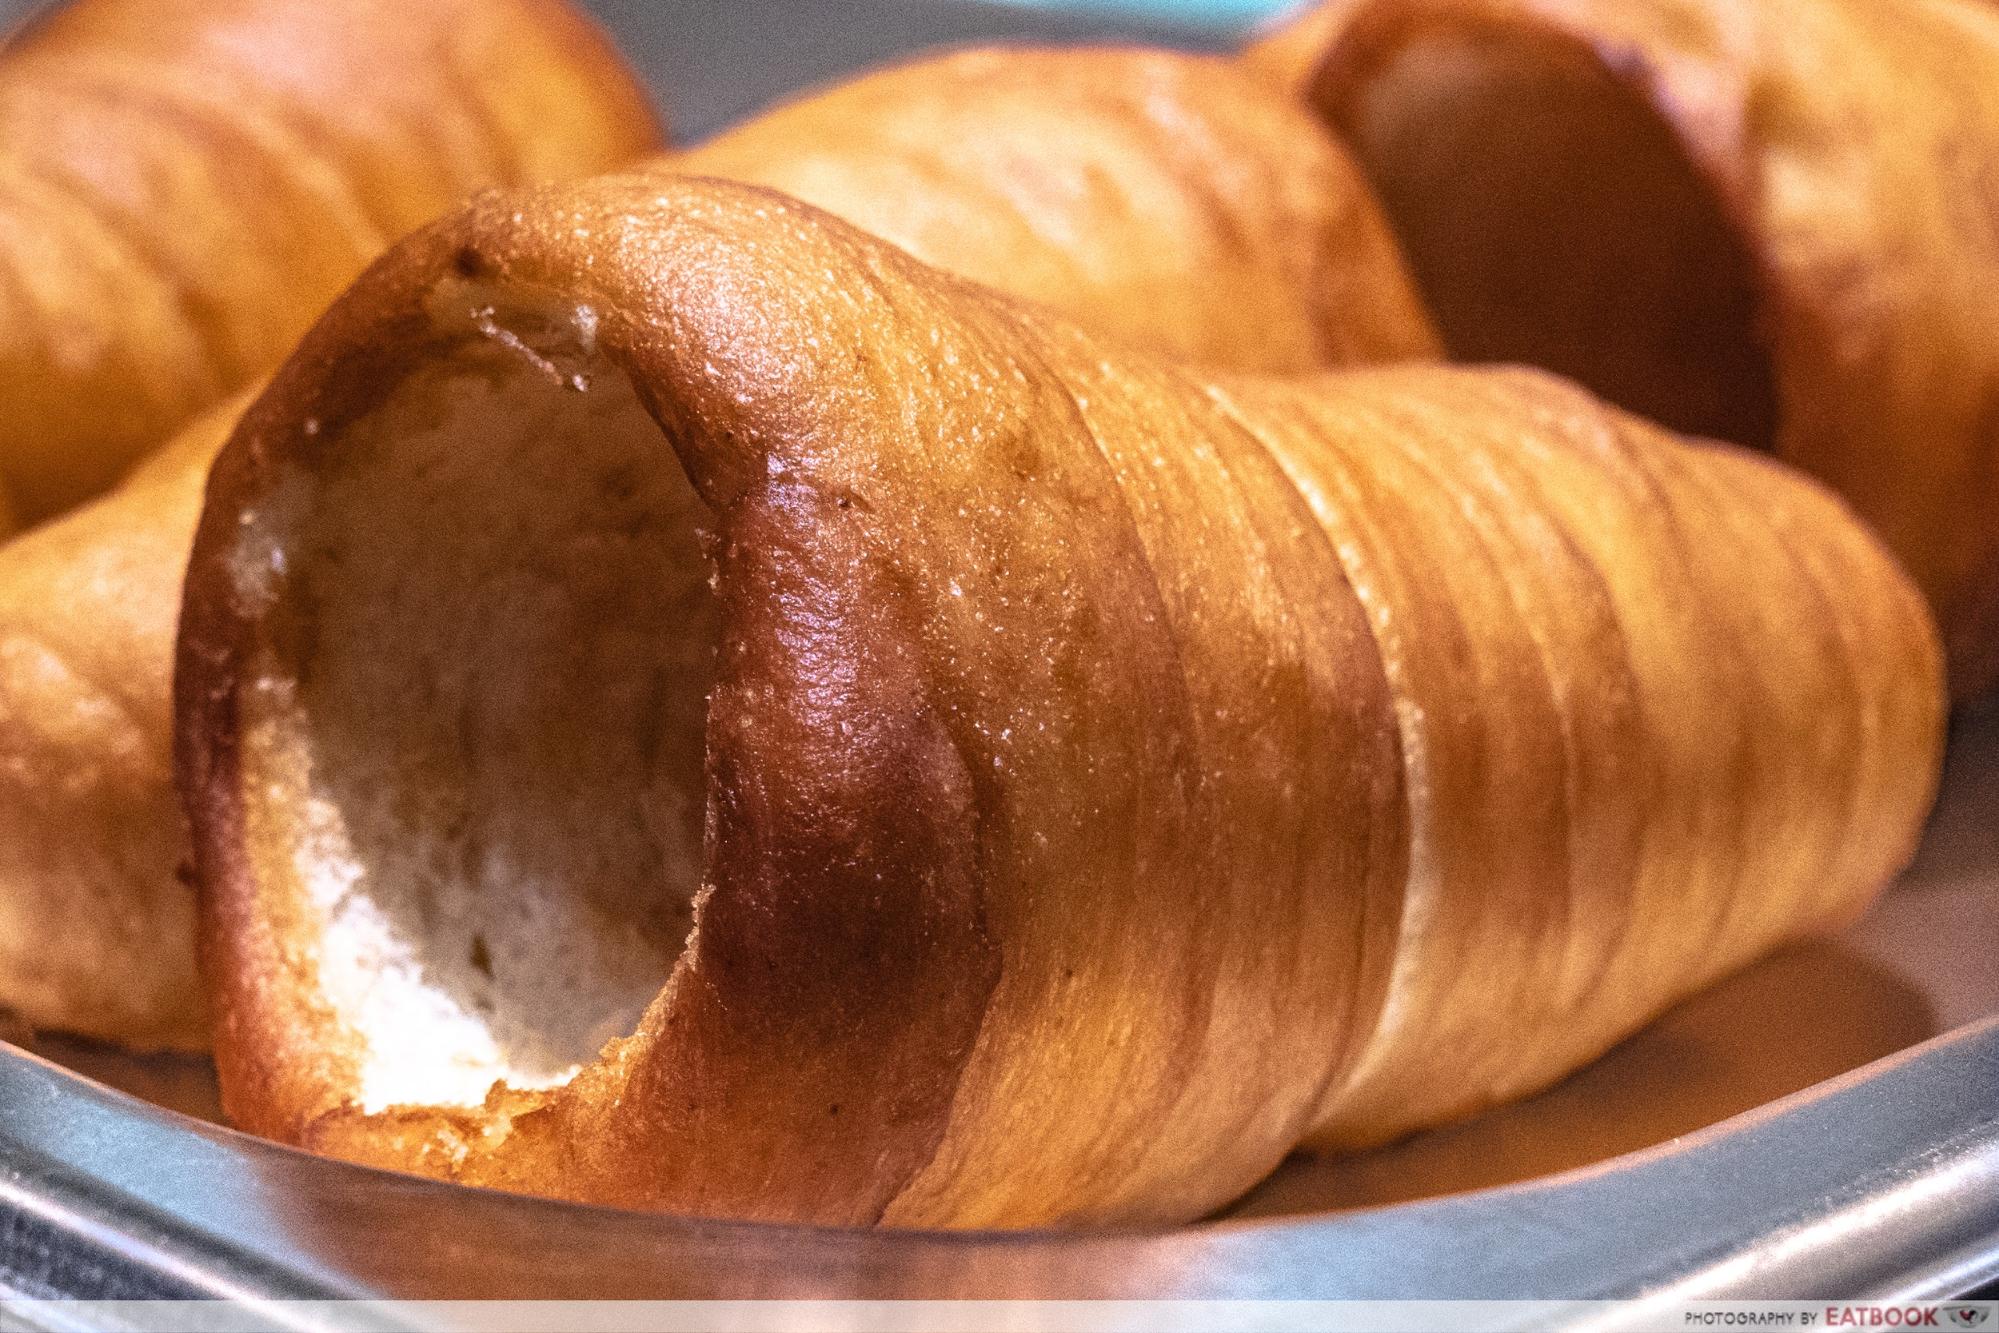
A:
[(1977, 1315)]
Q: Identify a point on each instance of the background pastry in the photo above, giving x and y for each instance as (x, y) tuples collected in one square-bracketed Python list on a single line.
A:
[(184, 186), (96, 922), (1771, 222), (1171, 200)]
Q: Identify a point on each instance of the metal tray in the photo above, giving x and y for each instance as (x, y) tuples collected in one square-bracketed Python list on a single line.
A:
[(1825, 1125)]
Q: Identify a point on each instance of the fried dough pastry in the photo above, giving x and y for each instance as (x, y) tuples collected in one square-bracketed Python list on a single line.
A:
[(96, 927), (183, 188), (1171, 200), (1772, 222), (684, 706)]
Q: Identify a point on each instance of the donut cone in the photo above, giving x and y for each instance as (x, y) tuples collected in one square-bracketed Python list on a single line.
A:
[(1171, 198), (1776, 222), (682, 705), (96, 926), (1174, 201), (183, 188)]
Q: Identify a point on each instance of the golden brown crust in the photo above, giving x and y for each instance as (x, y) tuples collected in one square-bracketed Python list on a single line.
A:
[(1170, 200), (1851, 146), (184, 187), (1098, 802), (96, 924), (1694, 809)]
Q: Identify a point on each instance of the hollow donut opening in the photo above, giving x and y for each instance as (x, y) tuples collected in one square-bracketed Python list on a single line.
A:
[(1552, 217)]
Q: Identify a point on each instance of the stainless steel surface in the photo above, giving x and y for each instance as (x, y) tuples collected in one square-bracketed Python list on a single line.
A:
[(1881, 1183)]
